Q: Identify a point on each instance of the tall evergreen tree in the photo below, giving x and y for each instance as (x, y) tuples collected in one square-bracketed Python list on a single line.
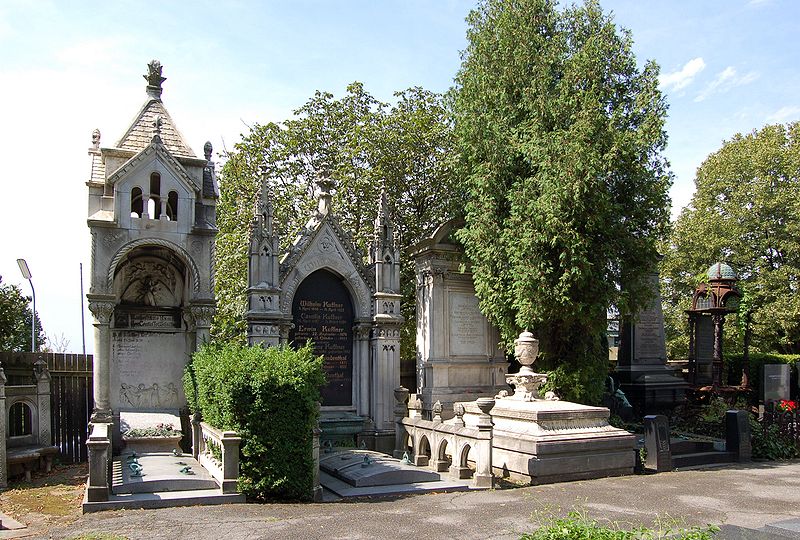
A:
[(561, 137)]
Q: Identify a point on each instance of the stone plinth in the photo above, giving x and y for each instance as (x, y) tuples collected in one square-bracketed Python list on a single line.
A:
[(552, 441)]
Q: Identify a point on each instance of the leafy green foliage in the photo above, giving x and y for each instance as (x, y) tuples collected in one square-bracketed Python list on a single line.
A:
[(735, 362), (363, 143), (561, 138), (577, 526), (15, 320), (159, 430), (746, 212), (270, 397), (769, 443)]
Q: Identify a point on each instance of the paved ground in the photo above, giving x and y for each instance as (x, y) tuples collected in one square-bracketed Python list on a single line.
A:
[(751, 495)]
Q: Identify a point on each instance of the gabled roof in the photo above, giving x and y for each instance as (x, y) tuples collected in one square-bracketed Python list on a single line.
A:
[(157, 147), (140, 132)]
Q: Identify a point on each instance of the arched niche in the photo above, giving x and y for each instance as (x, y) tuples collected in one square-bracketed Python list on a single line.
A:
[(323, 312)]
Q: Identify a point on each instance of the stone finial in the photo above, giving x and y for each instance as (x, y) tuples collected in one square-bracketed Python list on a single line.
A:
[(207, 150), (96, 139), (458, 410), (485, 404), (325, 184), (437, 411), (154, 79)]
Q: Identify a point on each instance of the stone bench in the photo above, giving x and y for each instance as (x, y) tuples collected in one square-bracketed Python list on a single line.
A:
[(27, 456)]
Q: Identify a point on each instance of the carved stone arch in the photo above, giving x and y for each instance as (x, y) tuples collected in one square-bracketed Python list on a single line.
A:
[(144, 242), (359, 292), (441, 448)]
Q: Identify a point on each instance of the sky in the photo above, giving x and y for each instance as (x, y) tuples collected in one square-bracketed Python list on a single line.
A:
[(727, 67)]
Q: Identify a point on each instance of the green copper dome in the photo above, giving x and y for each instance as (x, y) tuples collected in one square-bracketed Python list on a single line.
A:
[(721, 270)]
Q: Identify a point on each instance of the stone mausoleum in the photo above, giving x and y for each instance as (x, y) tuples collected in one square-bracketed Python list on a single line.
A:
[(152, 215), (321, 290)]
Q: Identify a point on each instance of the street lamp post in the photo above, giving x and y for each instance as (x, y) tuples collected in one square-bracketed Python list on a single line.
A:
[(26, 273)]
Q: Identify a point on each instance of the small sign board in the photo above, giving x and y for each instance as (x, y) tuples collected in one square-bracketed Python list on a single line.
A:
[(776, 382)]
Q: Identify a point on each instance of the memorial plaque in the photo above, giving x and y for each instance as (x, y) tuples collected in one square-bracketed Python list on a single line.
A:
[(467, 326), (322, 311), (777, 380), (648, 338)]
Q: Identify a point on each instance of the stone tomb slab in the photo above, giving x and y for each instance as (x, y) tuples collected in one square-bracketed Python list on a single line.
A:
[(382, 470), (160, 472), (141, 420)]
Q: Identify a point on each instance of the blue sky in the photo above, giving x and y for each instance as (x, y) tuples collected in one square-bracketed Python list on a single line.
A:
[(67, 68)]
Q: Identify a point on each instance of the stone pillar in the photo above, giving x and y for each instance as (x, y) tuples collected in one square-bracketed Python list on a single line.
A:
[(385, 361), (99, 445), (400, 412), (737, 434), (102, 307), (656, 442), (3, 465), (42, 375), (361, 367), (230, 442), (692, 359), (316, 493), (483, 461)]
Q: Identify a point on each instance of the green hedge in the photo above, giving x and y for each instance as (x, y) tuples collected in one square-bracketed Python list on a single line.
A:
[(269, 396), (735, 363)]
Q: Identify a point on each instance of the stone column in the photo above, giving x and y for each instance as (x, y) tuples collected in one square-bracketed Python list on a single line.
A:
[(42, 375), (3, 469), (483, 462), (200, 314), (692, 359), (102, 307)]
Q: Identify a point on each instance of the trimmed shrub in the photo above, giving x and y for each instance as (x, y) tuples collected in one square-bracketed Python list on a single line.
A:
[(757, 360), (270, 397)]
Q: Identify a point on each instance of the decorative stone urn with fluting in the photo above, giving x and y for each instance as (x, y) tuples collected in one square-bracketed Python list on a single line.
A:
[(526, 382)]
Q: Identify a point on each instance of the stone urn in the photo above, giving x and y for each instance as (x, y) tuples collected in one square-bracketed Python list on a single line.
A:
[(526, 383)]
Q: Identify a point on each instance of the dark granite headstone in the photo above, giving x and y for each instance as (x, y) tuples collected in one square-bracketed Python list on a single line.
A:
[(776, 382), (322, 311), (656, 442), (737, 434), (704, 350)]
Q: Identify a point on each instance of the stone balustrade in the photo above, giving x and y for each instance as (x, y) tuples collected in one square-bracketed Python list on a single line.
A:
[(446, 446), (218, 452)]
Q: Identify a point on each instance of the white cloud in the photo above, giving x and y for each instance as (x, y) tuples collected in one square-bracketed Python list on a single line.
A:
[(758, 2), (682, 78), (725, 80), (784, 114)]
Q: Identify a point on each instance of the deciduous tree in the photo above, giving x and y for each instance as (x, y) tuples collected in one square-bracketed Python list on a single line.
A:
[(15, 320)]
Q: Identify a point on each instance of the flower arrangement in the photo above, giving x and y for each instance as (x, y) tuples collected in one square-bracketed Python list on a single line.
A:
[(786, 405), (160, 430)]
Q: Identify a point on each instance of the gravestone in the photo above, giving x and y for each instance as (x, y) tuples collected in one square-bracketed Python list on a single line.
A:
[(323, 313), (458, 358), (776, 382), (704, 350), (645, 378), (737, 434)]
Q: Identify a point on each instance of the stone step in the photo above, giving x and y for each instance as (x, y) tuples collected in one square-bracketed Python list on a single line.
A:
[(702, 458), (162, 499), (682, 446), (789, 528), (734, 532)]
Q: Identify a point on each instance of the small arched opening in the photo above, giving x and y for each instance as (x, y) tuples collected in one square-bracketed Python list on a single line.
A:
[(172, 206), (154, 203), (444, 456), (20, 420), (137, 205)]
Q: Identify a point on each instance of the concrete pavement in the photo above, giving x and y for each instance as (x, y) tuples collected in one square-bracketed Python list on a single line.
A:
[(747, 495)]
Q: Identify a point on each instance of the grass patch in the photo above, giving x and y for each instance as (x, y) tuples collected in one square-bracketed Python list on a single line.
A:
[(48, 498), (577, 526)]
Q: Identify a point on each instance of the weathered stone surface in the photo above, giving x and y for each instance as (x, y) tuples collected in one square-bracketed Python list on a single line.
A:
[(379, 470)]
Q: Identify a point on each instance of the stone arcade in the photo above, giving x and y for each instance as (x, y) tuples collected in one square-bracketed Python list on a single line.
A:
[(320, 290)]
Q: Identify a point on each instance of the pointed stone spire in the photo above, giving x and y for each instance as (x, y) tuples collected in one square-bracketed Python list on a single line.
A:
[(154, 79), (385, 254), (263, 209), (384, 227)]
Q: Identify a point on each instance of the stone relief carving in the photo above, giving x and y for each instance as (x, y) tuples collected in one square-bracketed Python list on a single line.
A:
[(102, 311), (150, 283), (153, 396)]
